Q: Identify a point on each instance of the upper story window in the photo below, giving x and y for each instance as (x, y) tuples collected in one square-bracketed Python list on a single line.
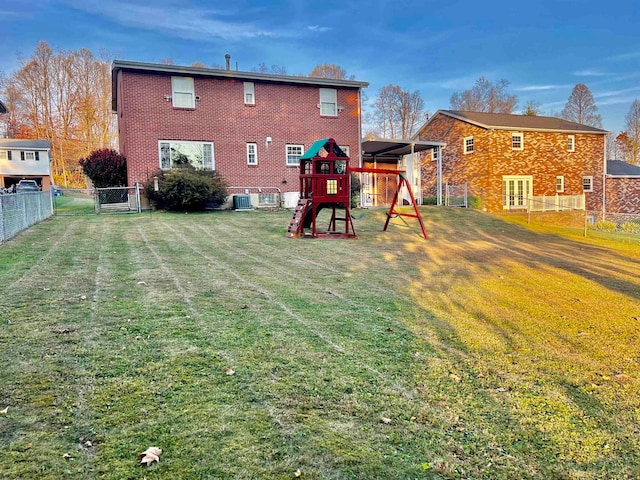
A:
[(182, 92), (329, 102), (249, 93), (435, 154), (29, 156), (294, 152), (5, 154), (587, 184), (345, 149), (559, 184), (571, 143), (517, 141), (252, 153), (175, 154), (467, 145)]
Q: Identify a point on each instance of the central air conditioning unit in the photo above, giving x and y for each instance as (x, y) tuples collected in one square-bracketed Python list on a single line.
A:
[(241, 202)]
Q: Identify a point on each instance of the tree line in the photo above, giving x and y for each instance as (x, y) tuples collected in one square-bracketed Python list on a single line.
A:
[(64, 97)]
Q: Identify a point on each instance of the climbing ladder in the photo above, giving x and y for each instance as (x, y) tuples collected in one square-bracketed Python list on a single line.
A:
[(296, 225)]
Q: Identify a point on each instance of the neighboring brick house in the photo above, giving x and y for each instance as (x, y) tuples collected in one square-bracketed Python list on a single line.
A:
[(25, 159), (504, 159), (623, 188), (250, 127)]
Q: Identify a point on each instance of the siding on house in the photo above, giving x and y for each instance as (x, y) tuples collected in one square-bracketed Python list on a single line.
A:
[(286, 110), (623, 188), (544, 156)]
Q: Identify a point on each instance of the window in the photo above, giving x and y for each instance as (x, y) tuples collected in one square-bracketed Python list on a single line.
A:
[(435, 154), (516, 189), (587, 184), (345, 150), (267, 198), (517, 141), (467, 145), (332, 187), (5, 155), (252, 153), (182, 92), (294, 152), (29, 156), (249, 93), (329, 102), (175, 154), (571, 143), (559, 184)]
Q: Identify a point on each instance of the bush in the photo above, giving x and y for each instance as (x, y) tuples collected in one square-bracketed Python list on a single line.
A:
[(474, 202), (105, 168), (429, 201), (630, 227), (187, 189), (355, 190), (605, 226)]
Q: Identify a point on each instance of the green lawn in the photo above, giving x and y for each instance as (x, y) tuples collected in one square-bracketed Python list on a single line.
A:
[(490, 351)]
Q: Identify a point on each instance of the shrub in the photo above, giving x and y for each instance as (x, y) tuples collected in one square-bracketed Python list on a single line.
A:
[(429, 200), (187, 189), (474, 202), (355, 190), (105, 168), (605, 226), (630, 227)]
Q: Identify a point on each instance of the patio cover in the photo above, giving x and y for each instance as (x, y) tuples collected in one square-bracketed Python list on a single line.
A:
[(390, 151)]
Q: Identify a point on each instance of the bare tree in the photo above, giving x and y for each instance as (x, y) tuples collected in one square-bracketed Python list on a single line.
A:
[(485, 97), (623, 142), (275, 69), (613, 151), (633, 131), (532, 108), (397, 112), (581, 107), (329, 70)]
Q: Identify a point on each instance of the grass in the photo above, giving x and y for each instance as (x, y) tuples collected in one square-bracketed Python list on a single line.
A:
[(492, 350)]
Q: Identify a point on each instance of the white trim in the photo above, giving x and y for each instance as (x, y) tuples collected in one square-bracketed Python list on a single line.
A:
[(468, 145), (183, 92), (515, 135), (249, 93), (295, 156), (590, 179), (207, 163), (328, 102), (571, 143), (254, 153), (436, 153), (515, 195), (4, 154), (560, 184), (346, 150)]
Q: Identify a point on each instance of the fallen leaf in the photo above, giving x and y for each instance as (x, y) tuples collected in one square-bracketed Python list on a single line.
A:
[(27, 446), (501, 389), (66, 456), (622, 377), (142, 283), (150, 455), (229, 371), (4, 411), (390, 330), (298, 473), (83, 297), (386, 420), (454, 377), (88, 444)]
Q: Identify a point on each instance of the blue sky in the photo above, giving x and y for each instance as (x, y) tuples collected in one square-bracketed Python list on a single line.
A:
[(436, 47)]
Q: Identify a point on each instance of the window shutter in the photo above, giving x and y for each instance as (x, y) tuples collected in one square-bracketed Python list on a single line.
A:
[(22, 156), (37, 154)]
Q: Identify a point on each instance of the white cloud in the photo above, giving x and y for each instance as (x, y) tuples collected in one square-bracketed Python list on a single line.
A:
[(539, 88), (183, 22), (623, 57), (318, 28), (590, 73)]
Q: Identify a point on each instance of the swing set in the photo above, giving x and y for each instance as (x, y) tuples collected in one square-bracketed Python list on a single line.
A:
[(325, 183)]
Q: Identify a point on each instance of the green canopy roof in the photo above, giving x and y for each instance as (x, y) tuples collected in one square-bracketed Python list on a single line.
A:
[(318, 145)]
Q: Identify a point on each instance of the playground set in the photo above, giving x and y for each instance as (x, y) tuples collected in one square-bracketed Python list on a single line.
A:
[(325, 183)]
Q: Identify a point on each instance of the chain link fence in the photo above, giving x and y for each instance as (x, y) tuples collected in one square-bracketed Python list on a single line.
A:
[(18, 211), (615, 223), (456, 196), (91, 201)]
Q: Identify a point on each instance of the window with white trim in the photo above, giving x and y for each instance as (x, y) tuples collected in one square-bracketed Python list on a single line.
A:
[(571, 143), (435, 154), (249, 93), (182, 92), (559, 184), (29, 156), (517, 141), (252, 154), (5, 155), (516, 190), (587, 184), (468, 145), (329, 102), (294, 152), (174, 154)]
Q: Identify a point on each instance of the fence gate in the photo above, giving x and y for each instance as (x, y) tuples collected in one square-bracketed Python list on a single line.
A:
[(77, 201), (456, 196)]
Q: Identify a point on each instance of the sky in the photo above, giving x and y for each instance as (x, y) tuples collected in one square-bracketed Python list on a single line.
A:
[(542, 47)]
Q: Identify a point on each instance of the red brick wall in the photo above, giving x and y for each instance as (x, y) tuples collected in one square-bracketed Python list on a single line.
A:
[(286, 113), (623, 195), (544, 156)]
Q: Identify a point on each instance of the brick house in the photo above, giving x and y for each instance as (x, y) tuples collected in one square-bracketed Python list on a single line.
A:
[(622, 188), (250, 127), (504, 159)]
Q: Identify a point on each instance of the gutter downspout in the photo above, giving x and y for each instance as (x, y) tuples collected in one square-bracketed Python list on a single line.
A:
[(439, 178), (360, 162), (604, 179)]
